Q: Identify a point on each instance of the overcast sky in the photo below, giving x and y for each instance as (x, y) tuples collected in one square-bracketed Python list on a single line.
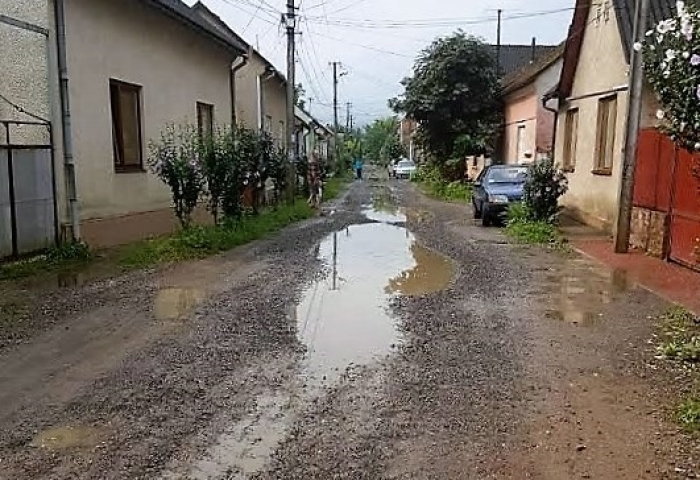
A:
[(376, 40)]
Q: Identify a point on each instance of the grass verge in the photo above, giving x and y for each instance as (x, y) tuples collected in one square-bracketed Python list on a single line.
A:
[(535, 233), (203, 241), (688, 415), (680, 337), (430, 180), (196, 242), (63, 257)]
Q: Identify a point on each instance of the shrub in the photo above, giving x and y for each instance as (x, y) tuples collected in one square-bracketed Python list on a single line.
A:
[(175, 160), (544, 186), (521, 227)]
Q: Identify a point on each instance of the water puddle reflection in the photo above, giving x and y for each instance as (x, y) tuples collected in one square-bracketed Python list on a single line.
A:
[(582, 288), (174, 303), (67, 438), (343, 318)]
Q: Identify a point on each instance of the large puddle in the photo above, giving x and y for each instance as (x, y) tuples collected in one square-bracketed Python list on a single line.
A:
[(344, 318)]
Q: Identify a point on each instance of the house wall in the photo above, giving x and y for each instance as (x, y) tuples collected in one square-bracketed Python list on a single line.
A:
[(24, 61), (544, 83), (524, 107), (176, 68), (602, 66), (274, 94), (520, 110)]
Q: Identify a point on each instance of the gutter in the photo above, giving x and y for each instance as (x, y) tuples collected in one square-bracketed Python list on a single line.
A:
[(66, 122), (555, 111), (235, 67)]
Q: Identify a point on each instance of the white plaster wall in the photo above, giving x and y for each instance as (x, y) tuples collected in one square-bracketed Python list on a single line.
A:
[(176, 67)]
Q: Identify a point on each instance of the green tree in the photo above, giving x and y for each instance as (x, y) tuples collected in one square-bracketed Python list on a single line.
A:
[(381, 139), (453, 95)]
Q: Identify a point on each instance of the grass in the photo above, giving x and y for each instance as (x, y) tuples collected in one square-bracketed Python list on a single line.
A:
[(534, 233), (203, 241), (688, 415), (57, 258), (433, 184), (194, 243), (680, 336)]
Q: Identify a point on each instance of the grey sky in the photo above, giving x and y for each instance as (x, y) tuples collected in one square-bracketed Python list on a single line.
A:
[(376, 40)]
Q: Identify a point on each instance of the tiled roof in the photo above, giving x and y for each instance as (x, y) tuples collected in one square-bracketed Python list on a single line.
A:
[(514, 57), (182, 13), (529, 73)]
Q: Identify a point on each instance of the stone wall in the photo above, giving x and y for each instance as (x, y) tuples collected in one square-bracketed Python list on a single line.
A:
[(649, 231)]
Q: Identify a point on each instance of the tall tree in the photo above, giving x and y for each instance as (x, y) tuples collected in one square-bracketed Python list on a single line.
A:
[(382, 141), (453, 95)]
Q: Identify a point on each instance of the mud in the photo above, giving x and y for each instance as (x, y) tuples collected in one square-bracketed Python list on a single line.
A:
[(391, 337)]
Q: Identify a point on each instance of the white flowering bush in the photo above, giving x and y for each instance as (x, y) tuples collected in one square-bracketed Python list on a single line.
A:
[(671, 54)]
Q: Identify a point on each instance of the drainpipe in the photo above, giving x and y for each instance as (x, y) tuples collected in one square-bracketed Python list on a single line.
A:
[(66, 123), (237, 64), (555, 111)]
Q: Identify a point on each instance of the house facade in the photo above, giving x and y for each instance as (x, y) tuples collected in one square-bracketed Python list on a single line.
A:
[(260, 90), (529, 127), (591, 100), (132, 68)]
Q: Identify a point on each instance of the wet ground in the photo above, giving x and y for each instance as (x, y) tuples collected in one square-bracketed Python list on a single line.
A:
[(390, 337)]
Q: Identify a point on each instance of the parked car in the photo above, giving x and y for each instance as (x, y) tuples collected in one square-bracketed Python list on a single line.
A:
[(404, 169), (496, 188)]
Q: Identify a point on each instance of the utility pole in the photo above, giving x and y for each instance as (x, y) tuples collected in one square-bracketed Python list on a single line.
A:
[(634, 113), (290, 20), (498, 44), (336, 128), (348, 119)]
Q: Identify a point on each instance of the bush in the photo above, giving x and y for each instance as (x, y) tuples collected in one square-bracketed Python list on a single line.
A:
[(521, 227), (544, 186), (432, 180), (176, 161)]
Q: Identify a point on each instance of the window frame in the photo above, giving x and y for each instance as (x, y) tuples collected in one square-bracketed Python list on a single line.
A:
[(116, 121), (202, 106), (605, 137), (571, 124)]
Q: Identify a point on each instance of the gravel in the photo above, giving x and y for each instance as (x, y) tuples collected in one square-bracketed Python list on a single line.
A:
[(485, 384)]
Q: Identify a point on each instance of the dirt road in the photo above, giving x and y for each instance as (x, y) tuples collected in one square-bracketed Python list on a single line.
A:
[(390, 338)]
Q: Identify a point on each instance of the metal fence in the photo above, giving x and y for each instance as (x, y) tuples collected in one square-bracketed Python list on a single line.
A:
[(28, 208)]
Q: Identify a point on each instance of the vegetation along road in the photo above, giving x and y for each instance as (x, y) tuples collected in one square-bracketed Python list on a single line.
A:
[(389, 338)]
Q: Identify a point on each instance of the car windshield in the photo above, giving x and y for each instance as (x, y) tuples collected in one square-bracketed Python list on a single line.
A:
[(406, 164), (507, 175)]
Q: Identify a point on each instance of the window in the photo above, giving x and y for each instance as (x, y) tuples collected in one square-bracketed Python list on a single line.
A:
[(205, 120), (570, 138), (605, 136), (125, 100)]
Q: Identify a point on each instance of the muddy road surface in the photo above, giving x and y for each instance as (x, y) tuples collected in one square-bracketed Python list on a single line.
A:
[(389, 338)]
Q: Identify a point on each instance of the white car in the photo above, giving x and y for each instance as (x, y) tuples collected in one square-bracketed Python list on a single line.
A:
[(404, 169)]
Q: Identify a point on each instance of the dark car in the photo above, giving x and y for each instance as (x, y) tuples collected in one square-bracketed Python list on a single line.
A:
[(495, 189)]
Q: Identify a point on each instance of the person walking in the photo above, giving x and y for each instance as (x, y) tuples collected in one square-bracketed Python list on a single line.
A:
[(358, 165), (314, 179)]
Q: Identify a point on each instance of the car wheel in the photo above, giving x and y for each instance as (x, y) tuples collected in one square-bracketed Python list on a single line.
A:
[(486, 220), (477, 213)]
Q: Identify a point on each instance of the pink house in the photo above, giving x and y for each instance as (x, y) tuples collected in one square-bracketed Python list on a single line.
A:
[(529, 126)]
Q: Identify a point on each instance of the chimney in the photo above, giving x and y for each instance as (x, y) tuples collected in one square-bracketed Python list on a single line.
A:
[(534, 49)]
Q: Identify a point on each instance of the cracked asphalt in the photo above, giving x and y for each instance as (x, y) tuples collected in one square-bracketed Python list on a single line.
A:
[(390, 337)]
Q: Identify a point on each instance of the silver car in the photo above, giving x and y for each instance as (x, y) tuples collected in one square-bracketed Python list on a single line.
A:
[(404, 169)]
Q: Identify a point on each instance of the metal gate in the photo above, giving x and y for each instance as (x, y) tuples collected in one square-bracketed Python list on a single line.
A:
[(28, 216), (684, 229)]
